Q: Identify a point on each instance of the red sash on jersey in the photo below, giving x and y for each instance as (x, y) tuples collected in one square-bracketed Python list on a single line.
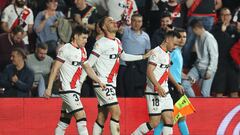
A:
[(114, 70), (127, 12), (24, 16), (78, 73), (130, 8), (193, 7), (164, 76), (176, 11)]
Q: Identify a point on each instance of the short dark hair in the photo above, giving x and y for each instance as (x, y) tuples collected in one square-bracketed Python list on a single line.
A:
[(43, 46), (78, 30), (20, 51), (196, 23), (47, 1), (101, 22), (165, 14), (172, 33), (17, 29), (179, 30), (224, 8), (136, 15)]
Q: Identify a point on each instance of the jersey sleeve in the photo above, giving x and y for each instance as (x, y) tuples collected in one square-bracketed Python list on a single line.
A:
[(61, 56), (97, 49), (153, 59), (5, 14)]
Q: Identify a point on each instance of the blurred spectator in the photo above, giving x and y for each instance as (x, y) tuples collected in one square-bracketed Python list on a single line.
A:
[(232, 5), (165, 25), (39, 5), (120, 10), (40, 63), (18, 14), (8, 41), (235, 51), (84, 14), (225, 34), (132, 74), (151, 16), (207, 59), (203, 10), (46, 26), (3, 4), (17, 78), (178, 11), (100, 6)]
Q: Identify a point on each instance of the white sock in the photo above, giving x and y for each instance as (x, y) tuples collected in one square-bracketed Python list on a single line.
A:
[(167, 129), (142, 129), (114, 126), (61, 127), (97, 129), (82, 126)]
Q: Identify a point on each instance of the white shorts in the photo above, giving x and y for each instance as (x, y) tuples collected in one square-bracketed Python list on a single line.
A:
[(107, 96), (71, 101), (157, 104)]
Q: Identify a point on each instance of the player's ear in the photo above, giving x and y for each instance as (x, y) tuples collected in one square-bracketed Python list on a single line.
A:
[(167, 39), (75, 36), (104, 28)]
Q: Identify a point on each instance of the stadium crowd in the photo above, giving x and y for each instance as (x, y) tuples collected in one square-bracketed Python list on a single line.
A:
[(32, 31)]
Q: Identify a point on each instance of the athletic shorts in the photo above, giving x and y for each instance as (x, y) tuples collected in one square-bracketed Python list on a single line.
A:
[(157, 104), (107, 96), (71, 101)]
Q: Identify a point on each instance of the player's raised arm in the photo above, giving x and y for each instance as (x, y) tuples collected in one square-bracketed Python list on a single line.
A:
[(54, 71)]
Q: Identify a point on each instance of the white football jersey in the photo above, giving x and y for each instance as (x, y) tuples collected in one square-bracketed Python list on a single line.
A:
[(71, 70), (25, 15), (108, 52), (161, 59), (121, 8)]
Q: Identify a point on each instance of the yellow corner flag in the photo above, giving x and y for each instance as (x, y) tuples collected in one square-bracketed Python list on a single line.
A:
[(182, 107)]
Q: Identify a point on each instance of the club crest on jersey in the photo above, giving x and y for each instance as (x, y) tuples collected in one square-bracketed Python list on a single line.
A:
[(164, 65), (113, 56), (154, 56), (76, 63)]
